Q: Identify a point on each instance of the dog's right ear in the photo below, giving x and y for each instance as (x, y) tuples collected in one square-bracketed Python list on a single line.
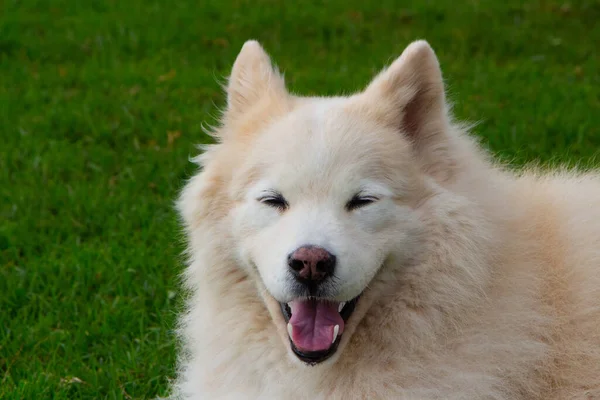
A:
[(409, 97), (252, 79)]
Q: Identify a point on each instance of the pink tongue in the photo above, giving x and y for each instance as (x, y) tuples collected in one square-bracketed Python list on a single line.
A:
[(313, 323)]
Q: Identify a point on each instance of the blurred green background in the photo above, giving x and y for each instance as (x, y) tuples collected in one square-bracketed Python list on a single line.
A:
[(101, 104)]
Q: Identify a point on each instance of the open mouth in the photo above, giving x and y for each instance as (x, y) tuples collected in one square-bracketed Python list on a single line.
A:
[(315, 326)]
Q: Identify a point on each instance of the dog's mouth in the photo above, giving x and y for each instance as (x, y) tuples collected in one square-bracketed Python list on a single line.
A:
[(315, 326)]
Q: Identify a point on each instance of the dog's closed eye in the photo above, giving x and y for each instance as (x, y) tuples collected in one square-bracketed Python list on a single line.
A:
[(275, 200), (359, 200)]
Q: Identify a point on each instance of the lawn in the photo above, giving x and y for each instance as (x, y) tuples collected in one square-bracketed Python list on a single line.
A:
[(101, 106)]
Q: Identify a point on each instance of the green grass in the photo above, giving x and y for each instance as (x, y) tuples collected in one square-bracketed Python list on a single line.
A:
[(101, 104)]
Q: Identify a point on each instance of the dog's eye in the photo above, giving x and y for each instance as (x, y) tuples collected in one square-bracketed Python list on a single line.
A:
[(275, 201), (359, 201)]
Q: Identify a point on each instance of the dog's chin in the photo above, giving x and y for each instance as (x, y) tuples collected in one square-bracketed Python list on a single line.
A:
[(314, 334)]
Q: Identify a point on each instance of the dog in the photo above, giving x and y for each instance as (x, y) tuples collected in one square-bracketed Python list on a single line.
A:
[(367, 247)]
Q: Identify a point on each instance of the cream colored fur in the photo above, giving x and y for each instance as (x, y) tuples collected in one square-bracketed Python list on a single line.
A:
[(480, 283)]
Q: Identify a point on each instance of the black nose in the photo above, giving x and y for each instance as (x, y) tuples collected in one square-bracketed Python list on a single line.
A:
[(311, 264)]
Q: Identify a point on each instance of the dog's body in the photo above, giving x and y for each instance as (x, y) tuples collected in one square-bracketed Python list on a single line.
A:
[(470, 282)]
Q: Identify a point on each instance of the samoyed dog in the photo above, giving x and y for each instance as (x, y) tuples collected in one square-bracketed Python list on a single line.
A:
[(366, 247)]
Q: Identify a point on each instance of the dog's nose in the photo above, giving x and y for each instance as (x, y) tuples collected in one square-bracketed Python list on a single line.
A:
[(311, 263)]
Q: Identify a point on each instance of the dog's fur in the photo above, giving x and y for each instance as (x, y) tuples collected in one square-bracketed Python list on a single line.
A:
[(479, 283)]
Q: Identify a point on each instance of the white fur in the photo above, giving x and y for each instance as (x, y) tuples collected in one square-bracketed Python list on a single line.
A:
[(478, 283)]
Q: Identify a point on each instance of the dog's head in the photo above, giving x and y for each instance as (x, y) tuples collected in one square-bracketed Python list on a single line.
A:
[(319, 195)]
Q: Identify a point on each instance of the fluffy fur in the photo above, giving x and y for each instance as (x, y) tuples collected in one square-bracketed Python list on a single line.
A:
[(479, 283)]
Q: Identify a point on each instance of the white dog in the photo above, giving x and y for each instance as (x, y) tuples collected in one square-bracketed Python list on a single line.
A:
[(365, 247)]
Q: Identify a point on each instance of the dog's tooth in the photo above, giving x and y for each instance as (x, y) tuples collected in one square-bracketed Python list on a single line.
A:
[(336, 330), (341, 306), (289, 328)]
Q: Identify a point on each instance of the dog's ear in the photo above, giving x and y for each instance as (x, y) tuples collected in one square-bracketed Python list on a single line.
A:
[(409, 96), (252, 78)]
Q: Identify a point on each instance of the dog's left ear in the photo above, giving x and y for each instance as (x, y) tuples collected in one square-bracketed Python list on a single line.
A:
[(409, 96), (253, 78)]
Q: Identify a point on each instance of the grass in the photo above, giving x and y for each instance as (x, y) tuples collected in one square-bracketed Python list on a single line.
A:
[(101, 104)]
